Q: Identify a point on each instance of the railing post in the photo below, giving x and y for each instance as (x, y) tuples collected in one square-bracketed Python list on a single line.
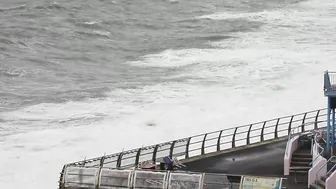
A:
[(262, 132), (248, 135), (276, 128), (234, 138), (203, 144), (119, 159), (61, 180), (155, 152), (316, 119), (137, 157), (172, 149), (303, 123), (187, 148), (97, 181), (218, 140), (290, 125)]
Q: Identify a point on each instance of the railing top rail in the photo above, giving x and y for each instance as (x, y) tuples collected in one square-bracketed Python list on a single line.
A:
[(331, 158), (331, 170), (292, 133), (319, 146), (316, 114)]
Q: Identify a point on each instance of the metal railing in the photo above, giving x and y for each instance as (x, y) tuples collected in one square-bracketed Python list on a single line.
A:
[(102, 178), (331, 158), (329, 81), (213, 141), (319, 147), (331, 170), (292, 133)]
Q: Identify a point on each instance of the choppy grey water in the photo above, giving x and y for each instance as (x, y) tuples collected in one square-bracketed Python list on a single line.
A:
[(70, 50), (80, 78)]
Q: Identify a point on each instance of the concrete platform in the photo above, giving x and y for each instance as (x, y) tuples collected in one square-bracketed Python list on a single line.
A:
[(263, 160)]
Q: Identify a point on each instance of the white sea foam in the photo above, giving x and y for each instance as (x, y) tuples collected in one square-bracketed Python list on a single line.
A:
[(258, 75)]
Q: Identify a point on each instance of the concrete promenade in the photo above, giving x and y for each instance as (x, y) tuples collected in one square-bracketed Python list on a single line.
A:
[(263, 160)]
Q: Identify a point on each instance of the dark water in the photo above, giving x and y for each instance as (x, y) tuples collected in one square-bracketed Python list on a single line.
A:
[(59, 51)]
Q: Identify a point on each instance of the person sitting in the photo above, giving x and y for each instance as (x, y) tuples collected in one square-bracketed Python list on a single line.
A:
[(173, 164)]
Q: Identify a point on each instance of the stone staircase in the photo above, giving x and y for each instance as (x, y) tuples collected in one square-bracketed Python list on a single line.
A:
[(320, 183), (299, 167), (301, 159)]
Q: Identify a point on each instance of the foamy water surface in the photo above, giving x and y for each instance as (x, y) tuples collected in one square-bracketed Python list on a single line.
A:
[(270, 64)]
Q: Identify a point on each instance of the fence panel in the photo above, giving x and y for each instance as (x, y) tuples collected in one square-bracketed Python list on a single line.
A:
[(269, 129), (110, 161), (180, 148), (195, 145), (110, 179), (146, 153), (240, 136), (150, 180), (81, 177), (163, 150), (211, 142), (255, 132), (185, 181), (225, 140), (283, 126), (127, 158), (216, 181)]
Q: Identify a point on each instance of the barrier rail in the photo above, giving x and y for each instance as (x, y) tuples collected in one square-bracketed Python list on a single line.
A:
[(212, 141), (332, 169), (319, 147), (326, 169), (105, 178), (329, 82), (292, 133)]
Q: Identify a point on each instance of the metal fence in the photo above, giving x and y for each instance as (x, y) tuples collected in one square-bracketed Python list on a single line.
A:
[(105, 178), (212, 142), (329, 81)]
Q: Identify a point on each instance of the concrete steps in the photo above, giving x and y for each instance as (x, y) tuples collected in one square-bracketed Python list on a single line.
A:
[(299, 166), (320, 183)]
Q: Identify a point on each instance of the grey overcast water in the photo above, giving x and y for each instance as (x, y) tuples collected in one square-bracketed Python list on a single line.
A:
[(78, 75)]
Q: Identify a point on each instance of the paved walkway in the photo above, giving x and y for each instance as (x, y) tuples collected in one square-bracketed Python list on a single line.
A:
[(265, 160)]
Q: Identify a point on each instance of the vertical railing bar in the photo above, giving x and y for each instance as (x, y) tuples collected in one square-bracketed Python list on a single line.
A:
[(248, 135), (137, 157), (218, 140), (100, 169), (155, 152), (316, 119), (187, 148), (172, 149), (61, 180), (276, 128), (262, 132), (303, 123), (290, 125), (101, 163), (234, 138), (119, 159), (203, 144)]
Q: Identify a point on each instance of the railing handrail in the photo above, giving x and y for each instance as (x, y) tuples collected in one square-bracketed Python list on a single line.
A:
[(331, 169), (290, 137), (272, 129), (318, 145), (329, 81), (332, 157), (292, 133)]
